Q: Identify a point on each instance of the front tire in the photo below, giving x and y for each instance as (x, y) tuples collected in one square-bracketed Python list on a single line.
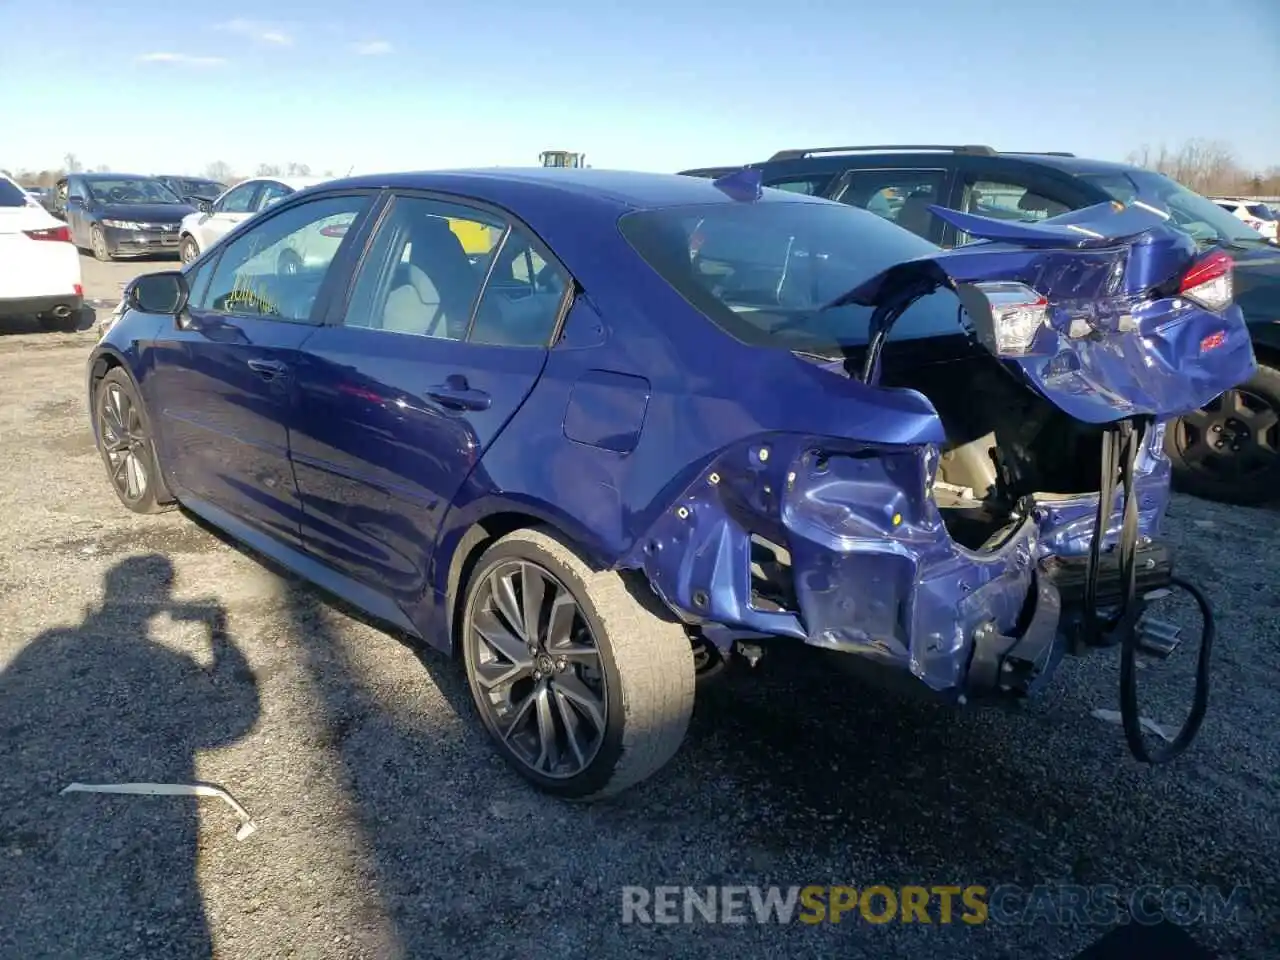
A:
[(125, 442), (1227, 451), (98, 244), (585, 687), (188, 250)]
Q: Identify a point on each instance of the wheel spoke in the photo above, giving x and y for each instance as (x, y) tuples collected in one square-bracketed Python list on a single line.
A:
[(572, 727), (504, 597), (547, 753), (581, 696), (533, 590), (500, 639), (522, 712), (137, 477), (1233, 402), (1262, 422), (564, 612), (1199, 419)]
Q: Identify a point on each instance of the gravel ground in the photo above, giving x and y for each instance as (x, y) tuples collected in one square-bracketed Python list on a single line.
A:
[(149, 649)]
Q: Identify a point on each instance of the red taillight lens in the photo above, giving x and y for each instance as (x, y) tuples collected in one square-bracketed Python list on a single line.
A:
[(1209, 282), (335, 230), (60, 234), (79, 290)]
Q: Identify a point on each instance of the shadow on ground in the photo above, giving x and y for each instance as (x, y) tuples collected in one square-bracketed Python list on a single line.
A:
[(10, 326), (91, 875)]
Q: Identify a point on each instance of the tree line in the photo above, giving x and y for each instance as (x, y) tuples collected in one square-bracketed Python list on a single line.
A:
[(218, 170)]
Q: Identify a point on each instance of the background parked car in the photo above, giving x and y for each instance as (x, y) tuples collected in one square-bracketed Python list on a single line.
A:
[(203, 229), (1253, 213), (119, 214), (39, 268), (200, 192), (1227, 451)]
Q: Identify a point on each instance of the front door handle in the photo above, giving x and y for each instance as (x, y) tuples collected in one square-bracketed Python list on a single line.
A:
[(268, 369), (456, 394)]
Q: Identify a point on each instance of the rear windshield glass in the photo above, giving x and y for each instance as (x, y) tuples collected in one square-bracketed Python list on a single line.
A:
[(1197, 215), (762, 272), (11, 195)]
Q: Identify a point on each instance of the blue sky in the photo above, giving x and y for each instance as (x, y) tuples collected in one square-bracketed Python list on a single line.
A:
[(667, 84)]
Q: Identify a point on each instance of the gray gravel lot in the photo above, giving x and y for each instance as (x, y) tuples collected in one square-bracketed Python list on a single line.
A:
[(149, 649)]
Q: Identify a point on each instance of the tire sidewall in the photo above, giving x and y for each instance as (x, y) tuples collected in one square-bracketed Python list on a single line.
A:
[(182, 250), (1259, 488), (117, 377), (600, 771)]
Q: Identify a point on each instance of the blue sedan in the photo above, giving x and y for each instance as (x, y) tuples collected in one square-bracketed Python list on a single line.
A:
[(639, 425)]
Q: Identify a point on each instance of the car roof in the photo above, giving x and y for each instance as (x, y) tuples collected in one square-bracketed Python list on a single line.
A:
[(614, 188), (114, 175)]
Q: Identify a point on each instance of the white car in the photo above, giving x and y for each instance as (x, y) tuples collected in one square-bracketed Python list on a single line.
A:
[(39, 265), (1252, 212), (200, 231)]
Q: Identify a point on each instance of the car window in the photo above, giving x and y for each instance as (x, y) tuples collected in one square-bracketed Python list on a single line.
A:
[(764, 272), (424, 270), (1006, 200), (1199, 216), (523, 297), (128, 190), (11, 195), (275, 269), (1260, 210), (239, 200), (271, 193), (899, 196), (811, 186)]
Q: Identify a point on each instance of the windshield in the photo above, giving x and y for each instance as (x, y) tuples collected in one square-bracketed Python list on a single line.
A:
[(131, 190), (201, 187), (1197, 215), (11, 195), (762, 272)]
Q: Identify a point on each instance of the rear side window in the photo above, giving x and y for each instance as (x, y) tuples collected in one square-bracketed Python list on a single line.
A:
[(1260, 211), (11, 195), (810, 186), (764, 272), (899, 196)]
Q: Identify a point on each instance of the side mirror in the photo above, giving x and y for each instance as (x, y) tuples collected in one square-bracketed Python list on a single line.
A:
[(160, 293)]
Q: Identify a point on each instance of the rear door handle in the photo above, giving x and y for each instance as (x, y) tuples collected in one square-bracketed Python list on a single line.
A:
[(268, 369), (456, 394)]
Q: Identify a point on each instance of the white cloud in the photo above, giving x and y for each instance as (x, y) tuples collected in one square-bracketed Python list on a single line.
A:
[(373, 48), (186, 58), (257, 30)]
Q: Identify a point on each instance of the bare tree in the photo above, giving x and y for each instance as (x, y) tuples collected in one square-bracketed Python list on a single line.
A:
[(1205, 166), (219, 171), (298, 170), (72, 163), (268, 170)]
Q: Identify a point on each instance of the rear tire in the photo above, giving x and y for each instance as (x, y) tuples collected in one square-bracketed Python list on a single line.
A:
[(52, 324), (1206, 473), (633, 659), (125, 442)]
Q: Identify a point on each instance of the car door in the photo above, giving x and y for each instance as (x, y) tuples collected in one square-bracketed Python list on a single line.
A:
[(220, 396), (406, 388), (231, 209), (900, 194)]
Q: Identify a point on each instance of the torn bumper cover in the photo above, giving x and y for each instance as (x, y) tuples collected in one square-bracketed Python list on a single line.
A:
[(867, 565)]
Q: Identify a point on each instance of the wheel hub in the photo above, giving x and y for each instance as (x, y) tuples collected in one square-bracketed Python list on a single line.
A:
[(1230, 435)]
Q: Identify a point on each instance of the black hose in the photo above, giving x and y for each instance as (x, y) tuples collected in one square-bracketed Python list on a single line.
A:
[(1120, 447)]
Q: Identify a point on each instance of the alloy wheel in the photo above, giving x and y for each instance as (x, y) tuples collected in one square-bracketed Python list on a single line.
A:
[(99, 243), (1235, 436), (125, 443), (537, 668)]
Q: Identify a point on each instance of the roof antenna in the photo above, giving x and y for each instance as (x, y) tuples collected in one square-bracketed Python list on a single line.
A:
[(746, 185)]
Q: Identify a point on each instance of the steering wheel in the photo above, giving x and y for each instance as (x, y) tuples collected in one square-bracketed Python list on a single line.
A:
[(116, 194)]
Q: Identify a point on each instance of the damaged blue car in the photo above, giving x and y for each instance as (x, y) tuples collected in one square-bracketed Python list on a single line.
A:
[(651, 422)]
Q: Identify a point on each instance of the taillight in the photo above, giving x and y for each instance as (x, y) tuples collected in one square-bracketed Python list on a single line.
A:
[(1209, 282), (1017, 314), (334, 230), (60, 234)]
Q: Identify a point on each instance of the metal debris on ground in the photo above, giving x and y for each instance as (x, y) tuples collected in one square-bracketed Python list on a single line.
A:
[(246, 828)]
